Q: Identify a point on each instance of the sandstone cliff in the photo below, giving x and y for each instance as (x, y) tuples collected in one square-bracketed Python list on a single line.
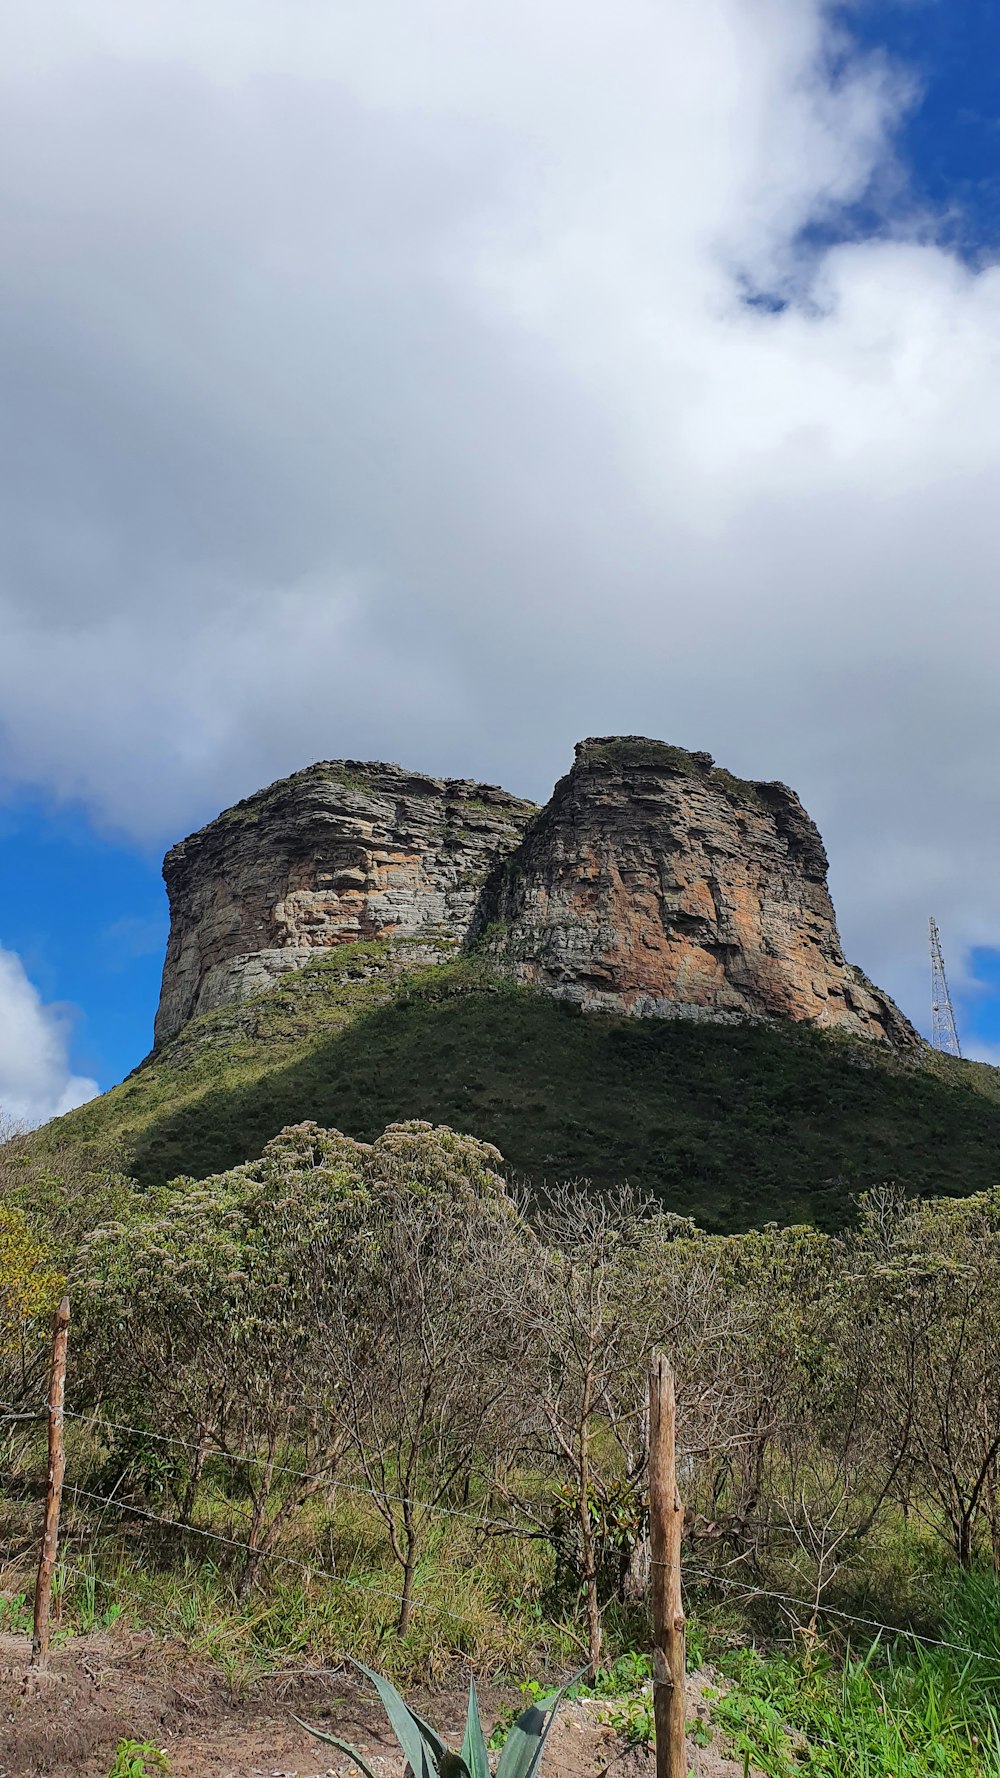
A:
[(652, 883), (655, 883), (343, 850)]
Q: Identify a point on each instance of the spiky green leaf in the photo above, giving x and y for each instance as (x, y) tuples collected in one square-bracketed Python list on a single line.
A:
[(525, 1739), (438, 1747), (474, 1745), (522, 1750), (449, 1764), (335, 1741), (418, 1752)]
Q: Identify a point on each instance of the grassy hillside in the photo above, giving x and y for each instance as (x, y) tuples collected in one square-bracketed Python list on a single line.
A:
[(733, 1124)]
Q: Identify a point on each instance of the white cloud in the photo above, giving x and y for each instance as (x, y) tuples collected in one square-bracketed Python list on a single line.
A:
[(379, 380), (35, 1078)]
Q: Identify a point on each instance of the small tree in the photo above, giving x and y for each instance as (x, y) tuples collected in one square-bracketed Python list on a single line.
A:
[(928, 1273), (432, 1347), (209, 1316), (590, 1318), (30, 1287), (332, 1292)]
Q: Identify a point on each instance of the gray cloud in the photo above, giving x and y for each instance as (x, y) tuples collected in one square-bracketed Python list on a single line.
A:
[(378, 380)]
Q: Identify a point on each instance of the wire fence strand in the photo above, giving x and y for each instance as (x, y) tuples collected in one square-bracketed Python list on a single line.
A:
[(688, 1571), (306, 1475), (302, 1566), (508, 1527), (755, 1592)]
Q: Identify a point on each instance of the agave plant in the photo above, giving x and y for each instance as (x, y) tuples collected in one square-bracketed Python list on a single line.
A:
[(427, 1756)]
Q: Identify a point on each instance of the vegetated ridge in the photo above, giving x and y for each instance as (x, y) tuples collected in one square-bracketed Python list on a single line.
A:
[(360, 1396), (643, 981)]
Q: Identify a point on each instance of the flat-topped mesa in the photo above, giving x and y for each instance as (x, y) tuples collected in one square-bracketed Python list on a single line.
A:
[(342, 851), (654, 883)]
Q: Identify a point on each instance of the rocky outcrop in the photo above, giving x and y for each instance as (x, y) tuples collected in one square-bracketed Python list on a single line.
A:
[(654, 883), (342, 851)]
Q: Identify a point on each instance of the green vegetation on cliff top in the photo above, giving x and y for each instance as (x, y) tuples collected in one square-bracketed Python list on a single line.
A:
[(637, 753), (734, 1124)]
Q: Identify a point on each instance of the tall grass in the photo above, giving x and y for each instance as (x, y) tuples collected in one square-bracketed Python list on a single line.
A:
[(333, 1590), (904, 1710)]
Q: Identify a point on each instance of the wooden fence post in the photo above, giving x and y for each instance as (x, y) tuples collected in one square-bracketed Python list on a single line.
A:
[(53, 1497), (666, 1525)]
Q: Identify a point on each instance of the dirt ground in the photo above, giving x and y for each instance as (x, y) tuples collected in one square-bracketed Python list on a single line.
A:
[(101, 1688)]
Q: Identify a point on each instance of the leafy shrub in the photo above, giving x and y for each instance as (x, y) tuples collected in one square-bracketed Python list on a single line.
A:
[(30, 1286), (139, 1759), (617, 1518)]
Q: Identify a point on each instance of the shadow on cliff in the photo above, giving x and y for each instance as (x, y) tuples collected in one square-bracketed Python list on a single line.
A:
[(734, 1125)]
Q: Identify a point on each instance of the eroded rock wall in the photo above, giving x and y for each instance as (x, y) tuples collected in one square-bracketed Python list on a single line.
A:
[(339, 852), (654, 883)]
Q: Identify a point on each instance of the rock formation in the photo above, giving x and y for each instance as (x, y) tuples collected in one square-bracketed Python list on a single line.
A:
[(653, 883), (343, 850)]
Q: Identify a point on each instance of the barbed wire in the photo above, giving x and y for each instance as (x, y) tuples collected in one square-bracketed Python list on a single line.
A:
[(303, 1567), (687, 1569), (9, 1412), (871, 1623), (307, 1475)]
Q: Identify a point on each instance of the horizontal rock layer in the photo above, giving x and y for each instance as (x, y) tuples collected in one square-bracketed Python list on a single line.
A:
[(654, 883), (339, 852)]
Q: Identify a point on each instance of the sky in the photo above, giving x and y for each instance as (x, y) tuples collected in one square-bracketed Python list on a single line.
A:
[(445, 383)]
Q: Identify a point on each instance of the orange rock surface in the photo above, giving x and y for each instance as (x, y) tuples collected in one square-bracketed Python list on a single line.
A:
[(654, 883)]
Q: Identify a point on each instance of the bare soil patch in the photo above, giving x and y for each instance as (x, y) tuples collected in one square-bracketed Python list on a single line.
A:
[(101, 1688)]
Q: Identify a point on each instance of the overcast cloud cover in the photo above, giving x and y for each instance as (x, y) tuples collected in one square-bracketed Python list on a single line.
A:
[(447, 381)]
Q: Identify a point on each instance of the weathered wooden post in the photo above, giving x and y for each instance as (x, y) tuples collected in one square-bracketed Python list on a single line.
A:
[(666, 1525), (53, 1497)]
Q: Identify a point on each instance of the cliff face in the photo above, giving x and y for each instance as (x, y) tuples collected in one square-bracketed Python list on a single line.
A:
[(339, 852), (654, 883)]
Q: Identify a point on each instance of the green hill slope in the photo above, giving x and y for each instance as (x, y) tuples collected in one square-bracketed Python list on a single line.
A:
[(734, 1124)]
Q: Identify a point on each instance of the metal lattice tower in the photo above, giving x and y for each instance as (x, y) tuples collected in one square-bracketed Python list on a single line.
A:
[(944, 1031)]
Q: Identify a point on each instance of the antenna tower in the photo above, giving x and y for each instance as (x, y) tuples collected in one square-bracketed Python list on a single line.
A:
[(944, 1030)]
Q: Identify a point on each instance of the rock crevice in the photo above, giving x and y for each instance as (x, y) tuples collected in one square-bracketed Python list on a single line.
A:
[(342, 851), (653, 883), (656, 884)]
